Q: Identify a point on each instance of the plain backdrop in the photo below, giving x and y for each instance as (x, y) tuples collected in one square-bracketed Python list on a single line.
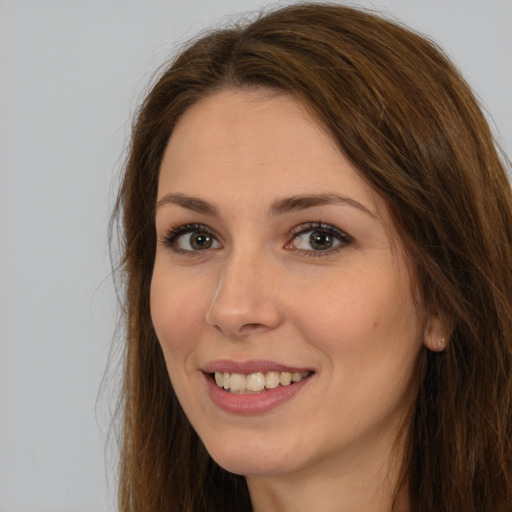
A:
[(71, 75)]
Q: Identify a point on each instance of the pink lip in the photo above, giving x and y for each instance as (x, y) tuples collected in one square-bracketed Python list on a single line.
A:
[(248, 367), (247, 404)]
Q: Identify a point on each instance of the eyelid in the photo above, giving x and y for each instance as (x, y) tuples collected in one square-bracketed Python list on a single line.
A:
[(173, 233), (344, 238)]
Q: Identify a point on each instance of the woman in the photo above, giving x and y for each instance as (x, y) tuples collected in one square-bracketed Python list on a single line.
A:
[(318, 263)]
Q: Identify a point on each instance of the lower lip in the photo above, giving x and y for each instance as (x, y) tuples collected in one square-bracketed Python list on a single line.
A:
[(253, 403)]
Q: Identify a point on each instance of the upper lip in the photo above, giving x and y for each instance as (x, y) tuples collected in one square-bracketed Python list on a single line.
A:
[(248, 367)]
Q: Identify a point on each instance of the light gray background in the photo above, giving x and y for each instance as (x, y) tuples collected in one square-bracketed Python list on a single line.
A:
[(71, 74)]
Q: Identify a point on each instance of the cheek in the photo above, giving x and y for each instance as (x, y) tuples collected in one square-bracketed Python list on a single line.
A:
[(369, 335), (177, 311), (363, 316)]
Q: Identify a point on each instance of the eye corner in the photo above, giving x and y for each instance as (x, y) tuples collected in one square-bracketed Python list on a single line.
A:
[(332, 238), (181, 240)]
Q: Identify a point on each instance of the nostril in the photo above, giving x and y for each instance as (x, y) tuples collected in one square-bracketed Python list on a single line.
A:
[(252, 327)]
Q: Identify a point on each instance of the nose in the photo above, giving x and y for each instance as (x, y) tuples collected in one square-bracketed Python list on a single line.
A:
[(246, 299)]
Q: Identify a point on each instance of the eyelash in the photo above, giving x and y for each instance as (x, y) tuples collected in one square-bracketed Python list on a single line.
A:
[(170, 239), (343, 238)]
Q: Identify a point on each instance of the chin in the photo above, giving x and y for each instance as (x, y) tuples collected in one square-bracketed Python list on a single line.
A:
[(253, 458)]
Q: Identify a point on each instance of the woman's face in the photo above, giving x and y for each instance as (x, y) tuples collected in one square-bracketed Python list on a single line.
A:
[(277, 263)]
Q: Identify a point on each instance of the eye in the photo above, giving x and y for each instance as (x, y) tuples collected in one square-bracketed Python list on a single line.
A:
[(318, 239), (191, 238)]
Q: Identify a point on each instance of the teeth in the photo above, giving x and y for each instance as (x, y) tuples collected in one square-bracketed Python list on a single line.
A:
[(256, 382), (272, 380), (285, 378), (237, 382)]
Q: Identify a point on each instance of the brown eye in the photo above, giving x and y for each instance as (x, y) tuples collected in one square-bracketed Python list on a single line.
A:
[(200, 241), (320, 240), (191, 238)]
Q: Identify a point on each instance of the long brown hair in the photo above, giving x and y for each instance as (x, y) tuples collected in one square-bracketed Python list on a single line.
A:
[(406, 119)]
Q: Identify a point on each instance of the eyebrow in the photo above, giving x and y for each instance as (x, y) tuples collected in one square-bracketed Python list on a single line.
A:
[(301, 202), (190, 203), (278, 207)]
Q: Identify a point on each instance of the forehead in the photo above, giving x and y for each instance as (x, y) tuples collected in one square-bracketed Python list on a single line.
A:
[(256, 141), (248, 120)]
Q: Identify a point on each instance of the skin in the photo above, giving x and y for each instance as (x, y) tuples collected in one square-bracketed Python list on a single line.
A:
[(262, 292)]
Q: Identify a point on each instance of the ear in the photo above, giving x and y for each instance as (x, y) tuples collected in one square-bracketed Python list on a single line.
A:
[(436, 334)]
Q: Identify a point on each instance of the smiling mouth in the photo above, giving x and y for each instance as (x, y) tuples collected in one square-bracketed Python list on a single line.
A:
[(258, 382)]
